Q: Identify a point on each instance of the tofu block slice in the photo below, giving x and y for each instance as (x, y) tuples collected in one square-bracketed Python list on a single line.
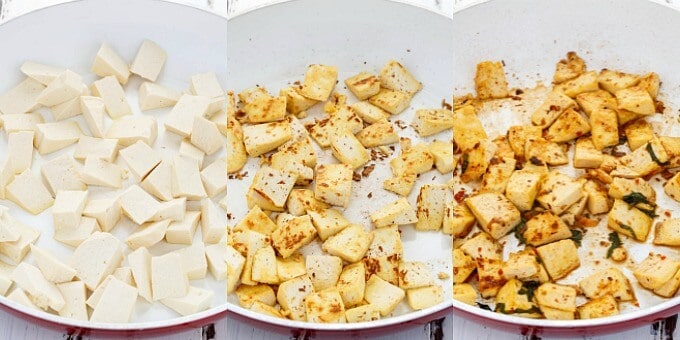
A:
[(586, 155), (568, 126), (558, 192), (522, 188), (148, 234), (569, 68), (116, 303), (205, 84), (604, 128), (296, 102), (521, 265), (262, 138), (20, 150), (247, 295), (495, 213), (42, 73), (19, 296), (614, 81), (554, 105), (148, 61), (323, 270), (182, 232), (29, 192), (443, 156), (490, 80), (586, 82), (428, 122), (197, 300), (302, 200), (463, 266), (173, 210), (235, 263), (368, 112), (414, 274), (16, 250), (140, 264), (482, 246), (290, 268), (672, 188), (465, 293), (6, 176), (398, 212), (545, 228), (74, 294), (97, 257), (667, 232), (159, 181), (382, 294), (74, 237), (655, 270), (102, 173), (272, 187), (51, 137), (110, 91), (386, 242), (108, 63), (599, 308), (319, 81), (638, 133), (362, 313), (154, 96), (214, 180), (556, 296), (628, 220), (610, 282), (395, 77), (140, 158), (104, 148), (264, 269), (62, 173), (350, 244), (66, 86), (53, 269), (106, 211), (168, 279), (194, 263), (181, 118), (352, 283), (206, 136), (41, 292), (559, 258), (636, 100), (266, 109), (213, 221), (129, 130), (394, 102), (333, 184), (363, 85), (325, 307), (669, 288), (431, 206), (509, 301), (292, 294), (540, 150), (216, 256), (138, 205), (68, 208), (348, 149), (327, 222)]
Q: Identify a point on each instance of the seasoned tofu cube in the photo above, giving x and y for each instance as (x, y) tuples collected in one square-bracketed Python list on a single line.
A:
[(291, 296), (569, 68), (598, 202), (619, 188), (432, 121), (672, 147), (655, 270), (262, 138), (672, 187), (540, 150), (108, 63), (667, 232), (350, 244), (490, 80), (568, 126), (247, 295), (296, 102), (416, 159), (558, 192), (614, 81), (591, 101), (384, 295), (586, 155), (644, 160), (559, 258), (475, 161), (638, 133), (323, 270), (302, 200), (235, 264), (495, 213), (482, 246), (636, 100), (266, 110), (348, 149), (402, 184), (521, 265), (376, 134), (327, 222), (290, 268), (293, 235), (385, 267), (598, 308), (424, 297), (394, 76), (325, 307), (651, 83), (333, 184), (510, 301), (362, 313), (518, 135), (458, 219), (552, 107), (463, 266), (319, 81), (556, 314), (273, 186), (386, 242), (465, 293), (264, 266), (391, 101), (545, 228), (414, 275), (586, 82), (252, 94), (363, 85), (443, 156), (256, 220), (352, 283), (431, 206), (522, 188), (556, 296), (628, 220), (368, 112), (490, 277), (669, 288), (604, 124), (473, 133), (497, 175), (398, 212)]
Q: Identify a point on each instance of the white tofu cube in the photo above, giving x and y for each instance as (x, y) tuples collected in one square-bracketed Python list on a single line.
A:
[(110, 91), (102, 148), (140, 159), (68, 208), (214, 180), (106, 211), (194, 262), (42, 73), (197, 300), (186, 178), (147, 235), (181, 118), (217, 256), (382, 294), (116, 303), (168, 279), (20, 150), (138, 205), (206, 136), (149, 60), (42, 293), (97, 257), (51, 137), (29, 192), (159, 181), (140, 264), (65, 87), (62, 173), (129, 130), (154, 96), (22, 98), (108, 63), (182, 232), (74, 237), (74, 294), (17, 250), (102, 173)]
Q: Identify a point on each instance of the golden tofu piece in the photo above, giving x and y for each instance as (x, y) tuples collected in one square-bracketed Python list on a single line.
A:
[(296, 102), (522, 188), (236, 152), (348, 149), (391, 101), (262, 308), (636, 100), (655, 270), (252, 94), (413, 274), (264, 266), (465, 293), (301, 200), (598, 202), (568, 126), (498, 175), (293, 235), (610, 282), (596, 100), (540, 150), (398, 212), (386, 242), (558, 192), (482, 246), (667, 232), (552, 107), (323, 270), (362, 313), (672, 187), (510, 301), (333, 184), (604, 128), (647, 159), (545, 228), (272, 186), (521, 265), (395, 77), (247, 295), (327, 222), (569, 68), (290, 268), (463, 266), (489, 276), (556, 314), (417, 159), (621, 187), (350, 244), (292, 294), (428, 122), (431, 206), (586, 82), (363, 85), (490, 80), (235, 264), (376, 134), (651, 83), (475, 161), (586, 155), (368, 112), (556, 296), (256, 220), (262, 138), (474, 132), (495, 213), (458, 220), (325, 307), (352, 283), (669, 288), (266, 110), (402, 184), (382, 294), (628, 220), (443, 156), (319, 81), (614, 81), (424, 297), (599, 308), (559, 258), (638, 133)]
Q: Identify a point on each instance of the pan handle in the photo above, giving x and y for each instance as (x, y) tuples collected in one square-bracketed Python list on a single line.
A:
[(664, 328)]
